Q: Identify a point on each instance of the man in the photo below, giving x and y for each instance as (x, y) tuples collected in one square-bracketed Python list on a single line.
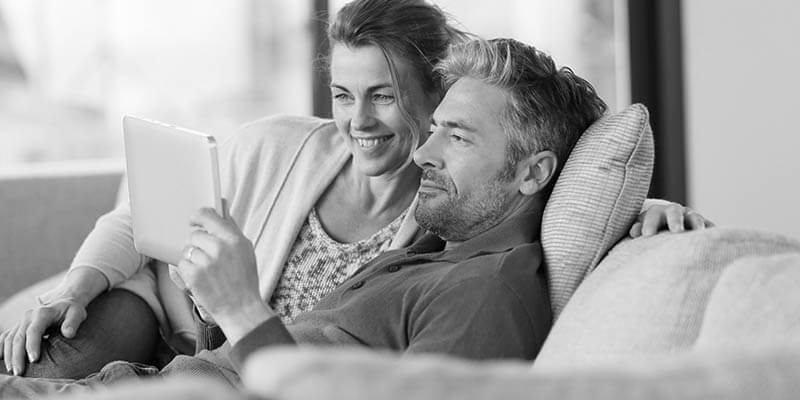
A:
[(472, 287)]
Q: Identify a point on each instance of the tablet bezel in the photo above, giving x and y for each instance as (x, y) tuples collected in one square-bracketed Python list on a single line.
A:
[(172, 172)]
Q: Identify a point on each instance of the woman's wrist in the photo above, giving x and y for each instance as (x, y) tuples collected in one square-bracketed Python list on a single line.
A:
[(81, 285)]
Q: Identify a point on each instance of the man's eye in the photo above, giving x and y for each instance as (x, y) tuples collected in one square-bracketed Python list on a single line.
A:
[(382, 98), (457, 138)]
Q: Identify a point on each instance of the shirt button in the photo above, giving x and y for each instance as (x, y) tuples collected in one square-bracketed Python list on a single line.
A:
[(393, 268), (357, 285)]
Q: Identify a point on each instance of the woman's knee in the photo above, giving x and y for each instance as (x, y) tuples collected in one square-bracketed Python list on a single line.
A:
[(119, 326)]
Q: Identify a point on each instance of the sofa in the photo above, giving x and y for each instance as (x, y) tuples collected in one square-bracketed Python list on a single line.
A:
[(712, 314), (46, 213), (706, 314)]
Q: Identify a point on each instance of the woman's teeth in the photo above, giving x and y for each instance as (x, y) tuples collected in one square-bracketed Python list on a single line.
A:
[(372, 142)]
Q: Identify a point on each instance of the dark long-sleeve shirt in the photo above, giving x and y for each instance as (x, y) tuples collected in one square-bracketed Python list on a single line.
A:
[(485, 299)]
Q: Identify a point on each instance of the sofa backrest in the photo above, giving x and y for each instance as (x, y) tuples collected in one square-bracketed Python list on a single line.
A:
[(46, 213)]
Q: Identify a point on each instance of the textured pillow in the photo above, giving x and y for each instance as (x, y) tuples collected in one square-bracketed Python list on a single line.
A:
[(596, 199)]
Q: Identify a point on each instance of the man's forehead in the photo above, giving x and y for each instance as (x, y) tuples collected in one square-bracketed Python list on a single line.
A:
[(472, 102)]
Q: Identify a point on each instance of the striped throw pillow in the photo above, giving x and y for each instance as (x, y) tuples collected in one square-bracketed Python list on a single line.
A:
[(596, 198)]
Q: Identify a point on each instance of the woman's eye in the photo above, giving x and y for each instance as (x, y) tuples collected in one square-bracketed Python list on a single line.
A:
[(343, 98), (382, 98)]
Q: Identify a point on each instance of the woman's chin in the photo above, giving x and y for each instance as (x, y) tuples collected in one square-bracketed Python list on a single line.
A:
[(376, 167)]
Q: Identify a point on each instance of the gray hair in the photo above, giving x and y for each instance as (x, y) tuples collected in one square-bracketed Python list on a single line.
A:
[(548, 108)]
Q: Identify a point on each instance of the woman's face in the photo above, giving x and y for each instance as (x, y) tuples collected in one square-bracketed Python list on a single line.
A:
[(366, 107)]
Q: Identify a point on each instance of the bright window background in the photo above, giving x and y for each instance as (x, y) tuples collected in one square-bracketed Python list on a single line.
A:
[(589, 36), (69, 69)]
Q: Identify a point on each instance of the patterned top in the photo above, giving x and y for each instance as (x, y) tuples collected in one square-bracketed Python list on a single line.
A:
[(317, 264)]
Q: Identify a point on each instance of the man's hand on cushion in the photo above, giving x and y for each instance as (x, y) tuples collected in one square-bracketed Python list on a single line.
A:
[(672, 216)]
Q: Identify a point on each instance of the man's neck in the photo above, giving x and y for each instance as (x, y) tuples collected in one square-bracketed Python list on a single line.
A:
[(523, 207)]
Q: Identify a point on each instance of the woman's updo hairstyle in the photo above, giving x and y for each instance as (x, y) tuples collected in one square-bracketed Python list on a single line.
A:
[(410, 30)]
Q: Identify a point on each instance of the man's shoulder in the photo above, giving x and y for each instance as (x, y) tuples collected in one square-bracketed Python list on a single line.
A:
[(518, 262)]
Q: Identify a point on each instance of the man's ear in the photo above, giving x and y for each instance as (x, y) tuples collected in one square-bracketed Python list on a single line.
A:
[(536, 171)]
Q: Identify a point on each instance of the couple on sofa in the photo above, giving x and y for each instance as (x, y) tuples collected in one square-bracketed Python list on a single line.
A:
[(409, 222)]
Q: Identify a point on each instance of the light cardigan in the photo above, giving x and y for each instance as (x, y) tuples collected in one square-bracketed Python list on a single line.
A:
[(273, 171)]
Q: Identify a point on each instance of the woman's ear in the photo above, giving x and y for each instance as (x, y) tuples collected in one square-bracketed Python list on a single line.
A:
[(536, 171)]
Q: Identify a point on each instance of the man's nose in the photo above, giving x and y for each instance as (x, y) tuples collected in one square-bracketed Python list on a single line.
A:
[(429, 155)]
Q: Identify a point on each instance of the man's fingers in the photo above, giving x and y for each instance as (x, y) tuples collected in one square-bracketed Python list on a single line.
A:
[(636, 230), (651, 222), (72, 321), (675, 218), (205, 242), (695, 220), (208, 220)]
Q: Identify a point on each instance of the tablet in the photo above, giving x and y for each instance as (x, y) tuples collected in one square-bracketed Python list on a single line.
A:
[(172, 172)]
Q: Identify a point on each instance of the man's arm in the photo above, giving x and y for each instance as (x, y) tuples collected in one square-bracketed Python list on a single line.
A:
[(271, 332)]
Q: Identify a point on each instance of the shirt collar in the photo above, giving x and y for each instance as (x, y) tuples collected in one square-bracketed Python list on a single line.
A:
[(515, 231)]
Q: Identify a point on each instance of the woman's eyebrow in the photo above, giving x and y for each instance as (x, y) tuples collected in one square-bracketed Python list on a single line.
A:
[(369, 89)]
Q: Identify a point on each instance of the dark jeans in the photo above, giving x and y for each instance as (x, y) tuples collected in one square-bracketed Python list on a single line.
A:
[(207, 365), (119, 326)]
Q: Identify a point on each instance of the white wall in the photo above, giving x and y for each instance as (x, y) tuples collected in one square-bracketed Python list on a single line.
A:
[(742, 61)]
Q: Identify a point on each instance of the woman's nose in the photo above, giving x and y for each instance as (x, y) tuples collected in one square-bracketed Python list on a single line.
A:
[(363, 116)]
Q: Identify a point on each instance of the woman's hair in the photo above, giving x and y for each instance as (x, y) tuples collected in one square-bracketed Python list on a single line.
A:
[(413, 31)]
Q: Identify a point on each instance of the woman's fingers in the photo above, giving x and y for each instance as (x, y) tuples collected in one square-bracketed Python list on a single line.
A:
[(18, 354), (73, 319), (8, 352), (42, 319)]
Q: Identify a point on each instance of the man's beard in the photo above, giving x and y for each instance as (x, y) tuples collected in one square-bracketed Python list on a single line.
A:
[(462, 216)]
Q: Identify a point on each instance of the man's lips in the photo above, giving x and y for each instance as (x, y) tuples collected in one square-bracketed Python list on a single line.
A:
[(430, 187)]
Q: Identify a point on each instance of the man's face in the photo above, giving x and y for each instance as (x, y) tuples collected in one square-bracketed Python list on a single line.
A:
[(463, 192)]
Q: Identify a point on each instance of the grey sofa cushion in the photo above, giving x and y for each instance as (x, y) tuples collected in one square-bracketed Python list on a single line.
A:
[(647, 298), (756, 303)]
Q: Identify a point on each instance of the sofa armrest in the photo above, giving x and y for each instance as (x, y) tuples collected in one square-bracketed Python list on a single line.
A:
[(352, 374), (46, 213)]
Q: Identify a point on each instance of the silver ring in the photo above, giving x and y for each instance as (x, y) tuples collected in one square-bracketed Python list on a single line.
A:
[(189, 252)]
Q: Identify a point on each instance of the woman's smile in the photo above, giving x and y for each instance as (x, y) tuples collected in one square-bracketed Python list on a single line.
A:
[(370, 142)]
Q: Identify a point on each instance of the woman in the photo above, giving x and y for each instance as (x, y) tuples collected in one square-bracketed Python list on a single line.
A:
[(315, 198)]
